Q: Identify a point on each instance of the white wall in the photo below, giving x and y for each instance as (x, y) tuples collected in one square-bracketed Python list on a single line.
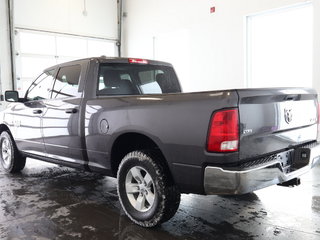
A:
[(212, 45), (66, 16)]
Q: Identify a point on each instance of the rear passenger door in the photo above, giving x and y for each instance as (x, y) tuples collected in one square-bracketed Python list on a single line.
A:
[(61, 121)]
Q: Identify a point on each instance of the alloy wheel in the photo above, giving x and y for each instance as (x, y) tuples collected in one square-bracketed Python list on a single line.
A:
[(140, 189), (6, 152)]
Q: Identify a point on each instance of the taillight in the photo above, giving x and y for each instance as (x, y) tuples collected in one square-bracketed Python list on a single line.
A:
[(137, 60), (224, 131)]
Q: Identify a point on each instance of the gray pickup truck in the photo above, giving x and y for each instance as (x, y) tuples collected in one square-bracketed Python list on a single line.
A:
[(127, 118)]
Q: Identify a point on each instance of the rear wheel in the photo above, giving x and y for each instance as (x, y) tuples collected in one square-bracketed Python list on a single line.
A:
[(10, 158), (146, 192)]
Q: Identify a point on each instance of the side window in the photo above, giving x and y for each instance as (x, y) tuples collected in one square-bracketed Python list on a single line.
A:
[(67, 82), (41, 87)]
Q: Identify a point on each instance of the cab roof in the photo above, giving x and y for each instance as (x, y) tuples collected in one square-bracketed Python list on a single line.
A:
[(104, 59)]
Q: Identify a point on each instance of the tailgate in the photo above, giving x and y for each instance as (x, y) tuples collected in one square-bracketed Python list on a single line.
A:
[(272, 120)]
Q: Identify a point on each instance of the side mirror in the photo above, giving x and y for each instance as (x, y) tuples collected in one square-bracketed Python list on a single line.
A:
[(11, 96)]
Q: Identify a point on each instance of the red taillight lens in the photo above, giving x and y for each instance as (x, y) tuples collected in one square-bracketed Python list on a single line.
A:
[(137, 60), (224, 131)]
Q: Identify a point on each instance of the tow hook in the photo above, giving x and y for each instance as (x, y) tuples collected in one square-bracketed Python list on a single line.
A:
[(291, 183)]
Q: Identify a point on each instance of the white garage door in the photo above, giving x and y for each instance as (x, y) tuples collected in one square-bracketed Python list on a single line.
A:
[(36, 50)]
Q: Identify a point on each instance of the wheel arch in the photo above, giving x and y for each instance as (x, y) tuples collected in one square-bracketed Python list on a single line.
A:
[(4, 127), (131, 141)]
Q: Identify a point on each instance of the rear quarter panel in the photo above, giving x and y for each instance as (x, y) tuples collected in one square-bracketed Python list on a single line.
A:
[(177, 123)]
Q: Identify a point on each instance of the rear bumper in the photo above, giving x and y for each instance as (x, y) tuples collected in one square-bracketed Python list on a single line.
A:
[(220, 181)]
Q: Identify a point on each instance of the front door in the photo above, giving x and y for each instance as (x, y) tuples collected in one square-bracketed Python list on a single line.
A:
[(27, 116)]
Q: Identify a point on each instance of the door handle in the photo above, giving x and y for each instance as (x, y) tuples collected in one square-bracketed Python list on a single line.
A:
[(38, 111), (71, 110)]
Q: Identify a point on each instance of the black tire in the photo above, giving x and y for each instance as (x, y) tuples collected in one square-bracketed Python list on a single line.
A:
[(165, 194), (10, 158)]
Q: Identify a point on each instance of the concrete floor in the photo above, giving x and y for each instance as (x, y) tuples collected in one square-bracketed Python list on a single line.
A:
[(51, 202)]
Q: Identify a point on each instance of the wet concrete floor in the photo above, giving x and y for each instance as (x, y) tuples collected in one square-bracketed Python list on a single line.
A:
[(46, 201)]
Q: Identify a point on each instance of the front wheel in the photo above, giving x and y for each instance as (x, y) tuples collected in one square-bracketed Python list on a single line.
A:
[(10, 158), (147, 194)]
